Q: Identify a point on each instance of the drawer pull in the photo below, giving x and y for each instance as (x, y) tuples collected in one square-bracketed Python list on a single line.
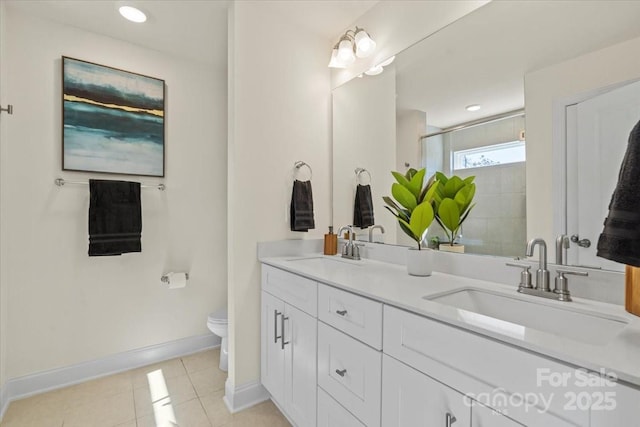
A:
[(341, 372), (276, 337), (449, 420), (283, 342), (342, 312)]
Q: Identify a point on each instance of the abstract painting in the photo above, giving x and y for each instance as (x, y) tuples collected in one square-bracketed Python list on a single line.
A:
[(113, 120)]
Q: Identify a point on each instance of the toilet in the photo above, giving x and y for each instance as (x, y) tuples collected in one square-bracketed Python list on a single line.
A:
[(217, 323)]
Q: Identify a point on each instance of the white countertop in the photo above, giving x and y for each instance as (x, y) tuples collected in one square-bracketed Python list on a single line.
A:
[(390, 284)]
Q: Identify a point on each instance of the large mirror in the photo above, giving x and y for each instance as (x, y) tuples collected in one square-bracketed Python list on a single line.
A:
[(554, 56)]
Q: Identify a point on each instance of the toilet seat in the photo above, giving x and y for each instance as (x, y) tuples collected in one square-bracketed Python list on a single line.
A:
[(218, 317)]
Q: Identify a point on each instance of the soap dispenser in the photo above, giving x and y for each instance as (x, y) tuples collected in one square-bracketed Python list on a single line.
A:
[(330, 242)]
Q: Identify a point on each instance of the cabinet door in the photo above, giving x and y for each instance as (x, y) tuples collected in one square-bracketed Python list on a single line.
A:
[(332, 414), (300, 332), (412, 399), (481, 416), (272, 357)]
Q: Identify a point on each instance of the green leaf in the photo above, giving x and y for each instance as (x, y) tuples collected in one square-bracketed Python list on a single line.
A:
[(421, 219), (465, 196), (430, 193), (442, 178), (449, 214), (410, 173), (401, 179), (407, 229), (453, 185), (415, 185), (404, 196), (469, 179)]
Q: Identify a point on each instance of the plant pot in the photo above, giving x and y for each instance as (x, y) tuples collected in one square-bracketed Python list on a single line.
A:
[(419, 262), (445, 247)]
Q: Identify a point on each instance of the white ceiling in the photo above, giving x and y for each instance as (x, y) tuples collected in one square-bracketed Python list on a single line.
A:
[(194, 29), (482, 58)]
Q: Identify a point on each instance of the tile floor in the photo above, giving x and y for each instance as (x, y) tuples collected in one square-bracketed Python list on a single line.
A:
[(187, 392)]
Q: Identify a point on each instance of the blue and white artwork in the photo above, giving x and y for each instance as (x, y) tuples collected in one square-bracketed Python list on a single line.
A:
[(113, 120)]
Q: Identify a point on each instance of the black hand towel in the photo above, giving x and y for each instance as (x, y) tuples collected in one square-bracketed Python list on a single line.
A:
[(363, 207), (302, 206), (115, 217), (620, 240)]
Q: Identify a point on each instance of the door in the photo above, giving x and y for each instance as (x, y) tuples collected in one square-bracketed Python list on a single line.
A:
[(412, 399), (300, 332), (597, 134), (272, 360)]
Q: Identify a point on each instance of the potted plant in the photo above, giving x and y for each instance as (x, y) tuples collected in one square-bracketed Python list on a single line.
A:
[(412, 206), (452, 205)]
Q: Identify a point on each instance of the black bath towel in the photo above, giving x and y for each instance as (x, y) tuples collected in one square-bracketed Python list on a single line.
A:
[(620, 240), (363, 207), (115, 217), (302, 206)]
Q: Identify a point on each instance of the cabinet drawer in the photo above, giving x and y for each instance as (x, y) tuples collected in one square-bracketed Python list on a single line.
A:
[(355, 315), (350, 372), (482, 367), (298, 291), (332, 414)]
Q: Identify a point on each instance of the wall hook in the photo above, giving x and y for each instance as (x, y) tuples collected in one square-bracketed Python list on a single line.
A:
[(9, 109)]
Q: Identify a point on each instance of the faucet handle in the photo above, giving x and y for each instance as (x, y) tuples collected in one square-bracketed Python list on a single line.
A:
[(562, 284), (525, 274), (561, 273)]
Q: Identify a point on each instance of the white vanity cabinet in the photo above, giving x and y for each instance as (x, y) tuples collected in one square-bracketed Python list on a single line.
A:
[(410, 398), (289, 343), (349, 356)]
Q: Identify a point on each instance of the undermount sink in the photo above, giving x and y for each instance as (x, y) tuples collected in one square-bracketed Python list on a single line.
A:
[(511, 315), (326, 262)]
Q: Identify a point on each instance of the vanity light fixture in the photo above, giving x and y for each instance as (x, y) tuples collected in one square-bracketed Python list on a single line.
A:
[(472, 107), (352, 44), (132, 14)]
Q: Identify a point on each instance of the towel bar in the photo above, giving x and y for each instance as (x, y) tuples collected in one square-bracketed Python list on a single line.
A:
[(60, 182), (360, 171)]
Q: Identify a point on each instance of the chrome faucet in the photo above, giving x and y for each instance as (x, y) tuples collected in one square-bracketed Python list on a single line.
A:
[(542, 274), (542, 289), (349, 250), (371, 231), (562, 243)]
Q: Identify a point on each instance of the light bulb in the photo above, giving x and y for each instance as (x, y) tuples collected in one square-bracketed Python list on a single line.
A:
[(335, 61), (387, 62), (364, 44), (345, 52), (374, 71), (132, 14)]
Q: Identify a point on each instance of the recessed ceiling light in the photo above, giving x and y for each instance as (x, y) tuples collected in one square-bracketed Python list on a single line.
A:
[(132, 14), (473, 107)]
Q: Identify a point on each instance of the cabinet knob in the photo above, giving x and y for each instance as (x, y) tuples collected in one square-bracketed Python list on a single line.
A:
[(341, 372), (341, 312)]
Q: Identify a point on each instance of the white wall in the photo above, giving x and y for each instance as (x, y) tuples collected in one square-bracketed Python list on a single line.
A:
[(545, 90), (410, 126), (66, 307), (396, 25), (3, 245), (364, 123), (279, 112)]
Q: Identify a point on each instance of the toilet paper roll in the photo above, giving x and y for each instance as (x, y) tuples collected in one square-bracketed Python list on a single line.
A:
[(177, 280)]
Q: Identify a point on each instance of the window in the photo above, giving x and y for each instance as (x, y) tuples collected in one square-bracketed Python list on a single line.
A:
[(489, 155)]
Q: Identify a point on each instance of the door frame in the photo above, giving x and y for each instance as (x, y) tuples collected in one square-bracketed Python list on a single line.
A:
[(559, 149)]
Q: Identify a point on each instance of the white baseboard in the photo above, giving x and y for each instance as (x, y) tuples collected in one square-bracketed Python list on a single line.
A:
[(29, 385), (4, 401), (242, 397)]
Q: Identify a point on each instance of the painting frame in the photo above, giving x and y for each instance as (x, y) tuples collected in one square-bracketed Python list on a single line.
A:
[(113, 120)]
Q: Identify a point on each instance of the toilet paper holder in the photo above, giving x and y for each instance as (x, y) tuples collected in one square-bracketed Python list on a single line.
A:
[(165, 278)]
